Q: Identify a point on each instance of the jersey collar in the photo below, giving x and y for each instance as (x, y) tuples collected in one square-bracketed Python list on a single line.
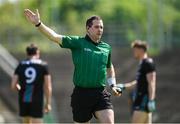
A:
[(89, 39)]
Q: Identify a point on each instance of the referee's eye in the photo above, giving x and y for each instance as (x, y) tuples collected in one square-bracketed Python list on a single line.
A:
[(97, 27)]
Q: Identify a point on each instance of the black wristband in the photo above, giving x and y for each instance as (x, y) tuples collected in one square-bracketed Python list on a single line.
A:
[(37, 25)]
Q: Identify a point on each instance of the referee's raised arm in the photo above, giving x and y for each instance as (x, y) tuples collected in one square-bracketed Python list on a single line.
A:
[(34, 18)]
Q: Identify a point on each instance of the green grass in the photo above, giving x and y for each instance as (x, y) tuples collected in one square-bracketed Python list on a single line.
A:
[(48, 118)]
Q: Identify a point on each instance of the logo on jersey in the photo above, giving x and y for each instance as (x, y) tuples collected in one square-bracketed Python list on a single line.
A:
[(87, 49)]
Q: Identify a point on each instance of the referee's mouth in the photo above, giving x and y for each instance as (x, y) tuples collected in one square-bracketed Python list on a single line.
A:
[(99, 34), (99, 37)]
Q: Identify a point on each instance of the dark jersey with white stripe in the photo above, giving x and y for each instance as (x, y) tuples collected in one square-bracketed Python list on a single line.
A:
[(146, 66), (31, 74)]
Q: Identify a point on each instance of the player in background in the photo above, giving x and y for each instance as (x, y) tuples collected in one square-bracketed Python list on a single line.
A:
[(92, 63), (145, 85), (32, 81)]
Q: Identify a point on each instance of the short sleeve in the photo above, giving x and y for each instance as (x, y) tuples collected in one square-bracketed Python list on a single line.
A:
[(109, 63), (46, 69), (149, 66), (70, 42), (16, 72)]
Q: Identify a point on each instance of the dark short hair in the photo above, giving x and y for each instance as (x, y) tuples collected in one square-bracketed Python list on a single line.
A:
[(89, 21), (31, 49), (140, 44)]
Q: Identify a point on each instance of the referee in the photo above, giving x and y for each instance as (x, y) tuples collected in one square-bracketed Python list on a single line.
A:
[(145, 85), (92, 61)]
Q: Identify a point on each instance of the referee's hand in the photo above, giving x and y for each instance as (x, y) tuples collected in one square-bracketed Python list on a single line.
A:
[(116, 91), (32, 17)]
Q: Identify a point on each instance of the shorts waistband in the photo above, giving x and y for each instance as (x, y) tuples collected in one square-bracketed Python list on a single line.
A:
[(88, 89)]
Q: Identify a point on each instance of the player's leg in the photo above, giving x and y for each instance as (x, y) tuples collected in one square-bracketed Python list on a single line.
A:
[(141, 113), (36, 112), (105, 116), (149, 119), (139, 117), (37, 120), (25, 113), (26, 120)]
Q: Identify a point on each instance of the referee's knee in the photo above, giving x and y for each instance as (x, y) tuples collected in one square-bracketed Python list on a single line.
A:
[(105, 116)]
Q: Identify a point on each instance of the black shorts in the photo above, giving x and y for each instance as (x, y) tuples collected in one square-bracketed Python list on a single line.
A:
[(141, 103), (86, 101), (132, 96), (34, 110)]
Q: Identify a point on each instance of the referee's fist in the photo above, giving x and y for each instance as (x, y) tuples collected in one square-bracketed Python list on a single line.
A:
[(116, 91)]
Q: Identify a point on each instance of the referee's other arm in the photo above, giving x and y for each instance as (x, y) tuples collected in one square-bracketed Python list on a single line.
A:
[(111, 75)]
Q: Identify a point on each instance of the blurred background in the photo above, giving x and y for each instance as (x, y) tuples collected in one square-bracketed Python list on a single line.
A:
[(155, 21)]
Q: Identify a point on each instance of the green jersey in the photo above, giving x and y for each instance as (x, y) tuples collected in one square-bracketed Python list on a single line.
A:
[(90, 61)]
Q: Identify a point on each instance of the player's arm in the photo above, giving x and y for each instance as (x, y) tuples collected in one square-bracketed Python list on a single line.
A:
[(48, 92), (130, 85), (151, 78), (111, 79), (14, 83), (34, 18)]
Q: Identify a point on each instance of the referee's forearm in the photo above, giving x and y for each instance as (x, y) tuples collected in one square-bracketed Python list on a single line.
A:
[(111, 80), (111, 72), (50, 34)]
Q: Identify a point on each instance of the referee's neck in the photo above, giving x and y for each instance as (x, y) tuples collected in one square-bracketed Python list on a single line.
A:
[(88, 38)]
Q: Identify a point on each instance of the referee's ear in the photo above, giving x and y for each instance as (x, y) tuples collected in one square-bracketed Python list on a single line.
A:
[(87, 27)]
